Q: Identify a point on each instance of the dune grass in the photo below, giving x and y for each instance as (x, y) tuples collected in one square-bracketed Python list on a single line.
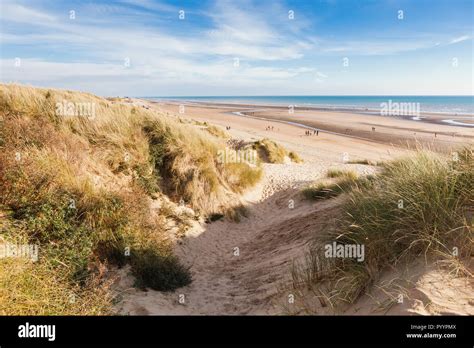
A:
[(185, 162), (325, 190), (345, 180), (271, 152), (365, 162), (340, 173), (295, 157), (217, 132), (81, 187), (416, 207), (39, 289)]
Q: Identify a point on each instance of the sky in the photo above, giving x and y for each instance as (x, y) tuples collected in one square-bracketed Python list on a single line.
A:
[(240, 47)]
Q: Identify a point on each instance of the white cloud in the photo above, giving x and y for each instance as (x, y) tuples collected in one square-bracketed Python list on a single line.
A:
[(166, 69), (22, 14), (459, 39), (151, 5), (377, 47)]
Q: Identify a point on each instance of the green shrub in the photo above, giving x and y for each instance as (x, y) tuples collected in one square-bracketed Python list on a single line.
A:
[(158, 272)]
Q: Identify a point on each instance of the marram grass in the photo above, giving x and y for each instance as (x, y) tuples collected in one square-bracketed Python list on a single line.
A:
[(419, 206)]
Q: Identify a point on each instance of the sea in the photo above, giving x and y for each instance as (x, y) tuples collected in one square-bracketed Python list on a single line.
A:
[(452, 105)]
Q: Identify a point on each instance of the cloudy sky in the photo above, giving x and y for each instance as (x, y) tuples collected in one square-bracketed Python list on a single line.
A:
[(240, 47)]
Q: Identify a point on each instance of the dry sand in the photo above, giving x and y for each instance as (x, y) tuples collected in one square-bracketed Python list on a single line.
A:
[(244, 268)]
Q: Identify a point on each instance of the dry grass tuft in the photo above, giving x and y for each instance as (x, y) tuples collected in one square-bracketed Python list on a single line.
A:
[(271, 152)]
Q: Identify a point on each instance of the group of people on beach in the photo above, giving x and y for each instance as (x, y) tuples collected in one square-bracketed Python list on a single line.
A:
[(269, 128), (315, 132)]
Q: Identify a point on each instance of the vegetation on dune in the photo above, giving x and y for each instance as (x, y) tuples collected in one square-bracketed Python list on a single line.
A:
[(271, 152), (294, 157), (239, 176), (365, 162), (80, 187), (186, 164), (340, 173), (217, 132), (345, 180), (28, 288), (417, 206), (326, 190)]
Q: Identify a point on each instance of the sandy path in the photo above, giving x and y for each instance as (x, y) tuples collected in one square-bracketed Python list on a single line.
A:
[(246, 280)]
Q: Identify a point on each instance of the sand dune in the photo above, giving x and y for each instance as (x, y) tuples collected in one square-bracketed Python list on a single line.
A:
[(244, 268)]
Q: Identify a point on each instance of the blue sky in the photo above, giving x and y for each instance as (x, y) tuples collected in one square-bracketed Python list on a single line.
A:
[(240, 47)]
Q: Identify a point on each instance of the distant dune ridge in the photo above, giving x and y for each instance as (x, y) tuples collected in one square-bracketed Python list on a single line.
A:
[(123, 194)]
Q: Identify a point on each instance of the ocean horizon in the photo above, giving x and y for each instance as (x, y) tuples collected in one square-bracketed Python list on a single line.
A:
[(461, 105)]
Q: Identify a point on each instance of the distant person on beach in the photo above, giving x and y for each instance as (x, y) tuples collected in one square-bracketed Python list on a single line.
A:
[(373, 129)]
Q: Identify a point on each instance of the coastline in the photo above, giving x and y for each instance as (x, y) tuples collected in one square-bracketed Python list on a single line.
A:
[(364, 110), (442, 118)]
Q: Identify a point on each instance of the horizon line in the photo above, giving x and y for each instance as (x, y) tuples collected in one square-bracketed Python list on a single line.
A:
[(311, 95)]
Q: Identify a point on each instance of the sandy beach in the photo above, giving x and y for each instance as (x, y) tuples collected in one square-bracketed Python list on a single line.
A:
[(359, 136)]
